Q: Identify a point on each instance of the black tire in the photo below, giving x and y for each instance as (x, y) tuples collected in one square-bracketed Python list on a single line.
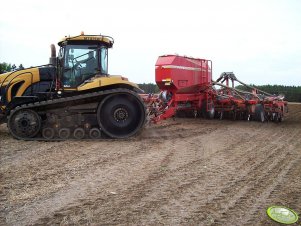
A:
[(24, 124), (121, 115), (259, 113)]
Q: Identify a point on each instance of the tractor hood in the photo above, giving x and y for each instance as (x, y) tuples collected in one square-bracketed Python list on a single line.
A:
[(40, 73)]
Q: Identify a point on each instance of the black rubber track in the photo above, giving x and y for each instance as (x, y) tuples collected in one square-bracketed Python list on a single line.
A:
[(75, 100)]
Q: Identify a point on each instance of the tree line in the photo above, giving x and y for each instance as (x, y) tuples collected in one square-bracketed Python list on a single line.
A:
[(291, 93), (6, 67), (149, 87)]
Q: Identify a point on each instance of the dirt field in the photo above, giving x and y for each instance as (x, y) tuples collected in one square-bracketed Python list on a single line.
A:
[(181, 172)]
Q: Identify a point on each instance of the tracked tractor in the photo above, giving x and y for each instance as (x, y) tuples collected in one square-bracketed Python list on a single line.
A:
[(71, 97)]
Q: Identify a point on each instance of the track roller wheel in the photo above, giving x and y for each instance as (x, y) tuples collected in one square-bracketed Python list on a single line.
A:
[(24, 124), (48, 133), (94, 133), (121, 115), (64, 133), (79, 133)]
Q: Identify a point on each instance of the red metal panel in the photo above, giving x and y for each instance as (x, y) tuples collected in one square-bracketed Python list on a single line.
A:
[(182, 72)]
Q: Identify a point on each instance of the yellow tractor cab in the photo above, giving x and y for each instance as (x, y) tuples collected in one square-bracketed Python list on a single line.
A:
[(81, 58)]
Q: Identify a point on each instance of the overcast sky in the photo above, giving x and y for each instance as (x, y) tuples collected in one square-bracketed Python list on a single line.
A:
[(259, 40)]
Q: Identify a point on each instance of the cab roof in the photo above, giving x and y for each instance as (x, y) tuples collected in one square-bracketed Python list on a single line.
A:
[(107, 40)]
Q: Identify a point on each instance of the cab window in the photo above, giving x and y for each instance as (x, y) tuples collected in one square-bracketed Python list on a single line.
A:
[(104, 60), (80, 64)]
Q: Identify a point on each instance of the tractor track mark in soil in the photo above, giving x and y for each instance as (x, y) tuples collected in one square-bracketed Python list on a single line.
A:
[(60, 168), (273, 147), (287, 193), (69, 194), (224, 170), (130, 195), (257, 209), (156, 176), (251, 190)]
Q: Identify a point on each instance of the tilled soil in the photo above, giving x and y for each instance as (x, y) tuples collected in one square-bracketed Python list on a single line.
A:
[(180, 172)]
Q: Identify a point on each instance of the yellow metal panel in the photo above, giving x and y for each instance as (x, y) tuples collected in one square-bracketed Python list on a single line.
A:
[(28, 76), (99, 38), (106, 81)]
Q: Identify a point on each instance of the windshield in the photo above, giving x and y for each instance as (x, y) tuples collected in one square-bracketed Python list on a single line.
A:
[(82, 62)]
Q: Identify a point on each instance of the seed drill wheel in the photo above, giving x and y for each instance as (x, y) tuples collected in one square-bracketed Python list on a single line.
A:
[(121, 115), (24, 124)]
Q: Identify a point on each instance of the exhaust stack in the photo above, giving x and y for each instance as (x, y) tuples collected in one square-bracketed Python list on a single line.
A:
[(52, 59)]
